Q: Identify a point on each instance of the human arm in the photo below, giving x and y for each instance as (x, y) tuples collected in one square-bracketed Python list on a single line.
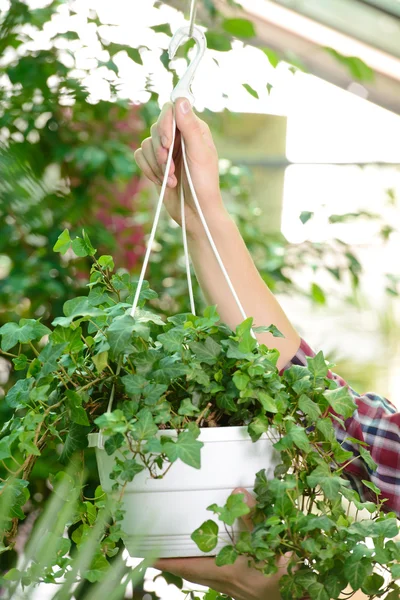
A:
[(255, 296)]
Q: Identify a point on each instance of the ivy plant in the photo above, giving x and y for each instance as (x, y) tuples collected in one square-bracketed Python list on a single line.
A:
[(98, 367)]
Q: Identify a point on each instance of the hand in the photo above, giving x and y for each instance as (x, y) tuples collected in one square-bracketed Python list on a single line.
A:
[(238, 580), (202, 160)]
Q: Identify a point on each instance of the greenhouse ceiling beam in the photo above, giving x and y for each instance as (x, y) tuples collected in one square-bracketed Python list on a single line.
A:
[(284, 31)]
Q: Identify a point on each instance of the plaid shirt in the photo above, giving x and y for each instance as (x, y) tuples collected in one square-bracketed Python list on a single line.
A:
[(376, 422)]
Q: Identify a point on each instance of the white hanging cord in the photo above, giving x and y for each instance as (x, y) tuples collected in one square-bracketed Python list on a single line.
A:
[(210, 238), (155, 224), (184, 238), (192, 16)]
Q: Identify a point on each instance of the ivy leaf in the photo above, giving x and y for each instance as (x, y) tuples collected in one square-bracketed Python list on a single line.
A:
[(113, 443), (305, 216), (172, 340), (145, 427), (366, 456), (357, 571), (258, 426), (372, 486), (163, 28), (239, 27), (326, 428), (234, 508), (134, 54), (240, 380), (130, 468), (134, 384), (251, 91), (330, 483), (187, 448), (63, 242), (187, 409), (71, 337), (218, 41), (271, 329), (26, 331), (18, 395), (317, 365), (119, 334), (317, 591), (207, 351), (206, 536), (5, 447), (341, 401), (300, 439), (78, 413), (272, 56), (318, 294), (226, 556), (309, 407), (100, 361), (374, 582), (76, 440), (267, 402), (77, 307), (82, 246), (20, 362)]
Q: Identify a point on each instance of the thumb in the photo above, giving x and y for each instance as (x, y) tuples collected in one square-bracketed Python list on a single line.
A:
[(250, 500), (190, 126)]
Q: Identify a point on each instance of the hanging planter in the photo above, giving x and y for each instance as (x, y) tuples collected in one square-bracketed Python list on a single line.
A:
[(162, 514)]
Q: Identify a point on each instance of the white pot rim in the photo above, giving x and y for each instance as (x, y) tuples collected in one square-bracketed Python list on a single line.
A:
[(207, 434)]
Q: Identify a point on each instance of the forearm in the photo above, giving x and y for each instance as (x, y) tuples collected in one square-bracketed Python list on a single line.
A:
[(256, 298)]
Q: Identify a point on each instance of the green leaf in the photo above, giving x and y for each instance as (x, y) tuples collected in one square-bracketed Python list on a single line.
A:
[(366, 456), (145, 427), (258, 426), (317, 365), (163, 28), (357, 571), (106, 261), (226, 556), (326, 428), (317, 591), (372, 486), (71, 337), (20, 362), (76, 440), (251, 91), (272, 56), (341, 401), (330, 483), (77, 307), (113, 443), (187, 448), (271, 329), (187, 409), (206, 352), (267, 402), (317, 294), (134, 53), (78, 413), (5, 447), (305, 216), (100, 361), (63, 242), (26, 331), (18, 395), (240, 380), (82, 246), (299, 438), (357, 67), (218, 41), (172, 340), (239, 27), (374, 582), (130, 468), (206, 536), (235, 507), (134, 384), (309, 407), (119, 334)]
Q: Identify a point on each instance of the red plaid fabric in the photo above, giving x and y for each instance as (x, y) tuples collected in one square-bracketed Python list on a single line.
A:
[(377, 422)]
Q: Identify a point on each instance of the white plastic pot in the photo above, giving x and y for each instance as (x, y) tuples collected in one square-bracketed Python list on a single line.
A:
[(161, 514)]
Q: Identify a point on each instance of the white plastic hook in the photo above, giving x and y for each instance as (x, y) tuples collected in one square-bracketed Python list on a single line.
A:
[(182, 89)]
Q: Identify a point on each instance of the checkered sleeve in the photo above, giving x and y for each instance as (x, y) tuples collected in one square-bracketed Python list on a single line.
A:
[(375, 422)]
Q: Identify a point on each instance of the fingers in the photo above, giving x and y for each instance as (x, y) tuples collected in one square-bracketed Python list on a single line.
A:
[(251, 503), (198, 570), (196, 133), (145, 166)]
